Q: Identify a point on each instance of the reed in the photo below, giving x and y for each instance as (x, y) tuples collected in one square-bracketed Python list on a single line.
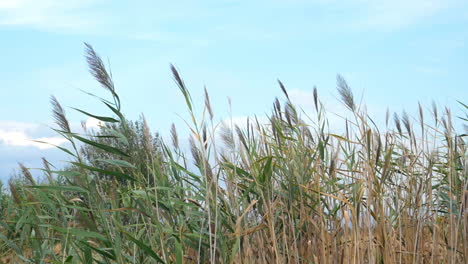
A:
[(288, 190)]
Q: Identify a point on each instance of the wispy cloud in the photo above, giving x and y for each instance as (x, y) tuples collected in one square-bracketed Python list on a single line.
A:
[(375, 14), (393, 14), (175, 22), (48, 14)]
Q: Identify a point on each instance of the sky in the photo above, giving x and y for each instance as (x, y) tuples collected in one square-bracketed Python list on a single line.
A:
[(393, 53)]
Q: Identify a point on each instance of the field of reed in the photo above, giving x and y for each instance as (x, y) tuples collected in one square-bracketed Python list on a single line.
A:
[(285, 190)]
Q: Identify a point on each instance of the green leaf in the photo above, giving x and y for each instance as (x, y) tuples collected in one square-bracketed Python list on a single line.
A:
[(119, 163), (466, 106), (321, 150), (102, 118), (234, 250), (11, 244), (238, 170), (145, 248), (68, 174), (59, 188), (116, 111), (106, 172), (79, 233), (121, 137), (102, 252), (61, 148), (101, 146), (192, 175), (88, 256), (267, 170), (178, 252)]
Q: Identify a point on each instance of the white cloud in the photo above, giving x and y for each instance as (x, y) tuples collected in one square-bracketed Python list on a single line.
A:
[(47, 14), (21, 139), (390, 14), (104, 16), (18, 134), (378, 14), (91, 123), (25, 134)]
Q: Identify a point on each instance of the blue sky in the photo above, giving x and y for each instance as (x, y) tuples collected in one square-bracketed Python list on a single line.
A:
[(393, 53)]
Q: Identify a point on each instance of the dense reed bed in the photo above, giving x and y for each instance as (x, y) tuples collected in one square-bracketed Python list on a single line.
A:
[(287, 190)]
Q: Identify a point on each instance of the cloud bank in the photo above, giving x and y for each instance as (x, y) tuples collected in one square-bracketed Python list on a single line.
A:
[(19, 134), (18, 143)]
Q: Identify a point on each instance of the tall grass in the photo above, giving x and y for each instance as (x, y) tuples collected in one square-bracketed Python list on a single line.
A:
[(288, 190)]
